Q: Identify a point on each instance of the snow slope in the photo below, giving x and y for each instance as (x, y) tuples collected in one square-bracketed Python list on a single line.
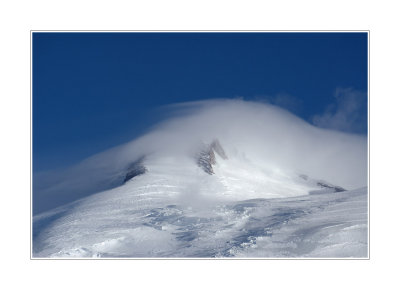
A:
[(222, 178), (176, 209)]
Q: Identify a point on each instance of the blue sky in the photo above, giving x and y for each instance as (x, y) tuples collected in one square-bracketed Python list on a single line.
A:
[(92, 91)]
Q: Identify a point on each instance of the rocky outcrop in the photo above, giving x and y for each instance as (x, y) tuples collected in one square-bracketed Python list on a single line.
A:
[(323, 184), (206, 156), (216, 146), (330, 186), (134, 169)]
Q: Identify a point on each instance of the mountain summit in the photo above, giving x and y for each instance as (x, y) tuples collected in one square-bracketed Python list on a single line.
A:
[(206, 156), (270, 185)]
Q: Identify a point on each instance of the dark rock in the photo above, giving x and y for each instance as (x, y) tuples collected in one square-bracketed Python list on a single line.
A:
[(323, 184), (216, 146), (134, 169), (206, 156), (330, 186)]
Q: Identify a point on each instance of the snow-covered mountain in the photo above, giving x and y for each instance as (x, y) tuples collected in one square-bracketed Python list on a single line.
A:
[(180, 193)]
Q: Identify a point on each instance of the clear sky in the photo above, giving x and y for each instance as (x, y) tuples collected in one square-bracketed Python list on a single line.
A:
[(92, 91)]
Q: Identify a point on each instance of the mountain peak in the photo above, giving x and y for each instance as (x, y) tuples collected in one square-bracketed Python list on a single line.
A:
[(135, 168), (206, 156)]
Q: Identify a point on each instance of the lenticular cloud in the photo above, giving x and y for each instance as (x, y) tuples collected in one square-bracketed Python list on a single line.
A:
[(266, 134), (262, 134)]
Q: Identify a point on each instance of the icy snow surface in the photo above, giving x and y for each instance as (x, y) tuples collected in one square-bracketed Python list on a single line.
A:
[(177, 210), (272, 187)]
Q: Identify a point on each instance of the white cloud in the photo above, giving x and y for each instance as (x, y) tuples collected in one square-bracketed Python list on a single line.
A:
[(348, 114), (264, 133), (283, 100)]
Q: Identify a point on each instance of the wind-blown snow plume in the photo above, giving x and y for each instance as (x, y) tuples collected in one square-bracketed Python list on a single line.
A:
[(262, 134)]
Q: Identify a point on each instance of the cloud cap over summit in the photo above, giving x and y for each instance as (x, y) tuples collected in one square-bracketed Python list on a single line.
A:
[(262, 134)]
